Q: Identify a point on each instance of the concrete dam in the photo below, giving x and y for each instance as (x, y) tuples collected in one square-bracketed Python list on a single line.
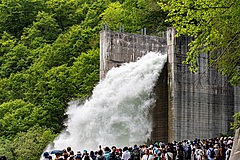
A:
[(188, 105)]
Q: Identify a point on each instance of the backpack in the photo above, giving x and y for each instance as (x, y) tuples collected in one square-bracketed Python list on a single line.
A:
[(212, 153)]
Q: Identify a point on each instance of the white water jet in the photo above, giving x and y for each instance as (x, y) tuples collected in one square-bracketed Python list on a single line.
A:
[(117, 113)]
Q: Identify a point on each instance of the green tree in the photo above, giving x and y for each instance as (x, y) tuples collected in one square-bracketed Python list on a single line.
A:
[(52, 93), (67, 12), (14, 87), (17, 14), (15, 60), (15, 117), (65, 48), (27, 145), (44, 30), (84, 73), (7, 42), (113, 15), (93, 15), (135, 15), (215, 27)]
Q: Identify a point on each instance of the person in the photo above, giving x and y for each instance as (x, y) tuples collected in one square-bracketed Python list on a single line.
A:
[(65, 154), (47, 156), (118, 157), (113, 154), (180, 153), (69, 149), (136, 153), (211, 152), (126, 155), (100, 155), (84, 153), (71, 155), (120, 151), (217, 152), (197, 149), (228, 152), (57, 155), (163, 154), (78, 156), (169, 154), (141, 151), (188, 151), (151, 155), (92, 155), (147, 155), (201, 156), (107, 152), (86, 156), (130, 149)]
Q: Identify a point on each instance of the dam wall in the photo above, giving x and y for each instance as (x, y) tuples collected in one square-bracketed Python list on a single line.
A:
[(201, 104), (188, 105)]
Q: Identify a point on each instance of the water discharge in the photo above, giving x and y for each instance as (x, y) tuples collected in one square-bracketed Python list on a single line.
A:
[(117, 113)]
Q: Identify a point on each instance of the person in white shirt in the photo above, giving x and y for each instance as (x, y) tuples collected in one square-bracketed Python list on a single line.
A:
[(169, 154), (147, 155), (126, 154)]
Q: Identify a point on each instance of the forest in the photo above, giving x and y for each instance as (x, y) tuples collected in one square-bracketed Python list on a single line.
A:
[(49, 55)]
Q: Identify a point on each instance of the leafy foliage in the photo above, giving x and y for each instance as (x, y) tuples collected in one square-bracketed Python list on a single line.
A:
[(236, 123), (15, 60), (16, 117), (135, 15), (85, 73), (44, 30), (215, 27), (17, 14), (27, 145), (49, 55)]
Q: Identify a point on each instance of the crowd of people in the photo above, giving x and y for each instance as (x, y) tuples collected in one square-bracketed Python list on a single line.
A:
[(206, 149)]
